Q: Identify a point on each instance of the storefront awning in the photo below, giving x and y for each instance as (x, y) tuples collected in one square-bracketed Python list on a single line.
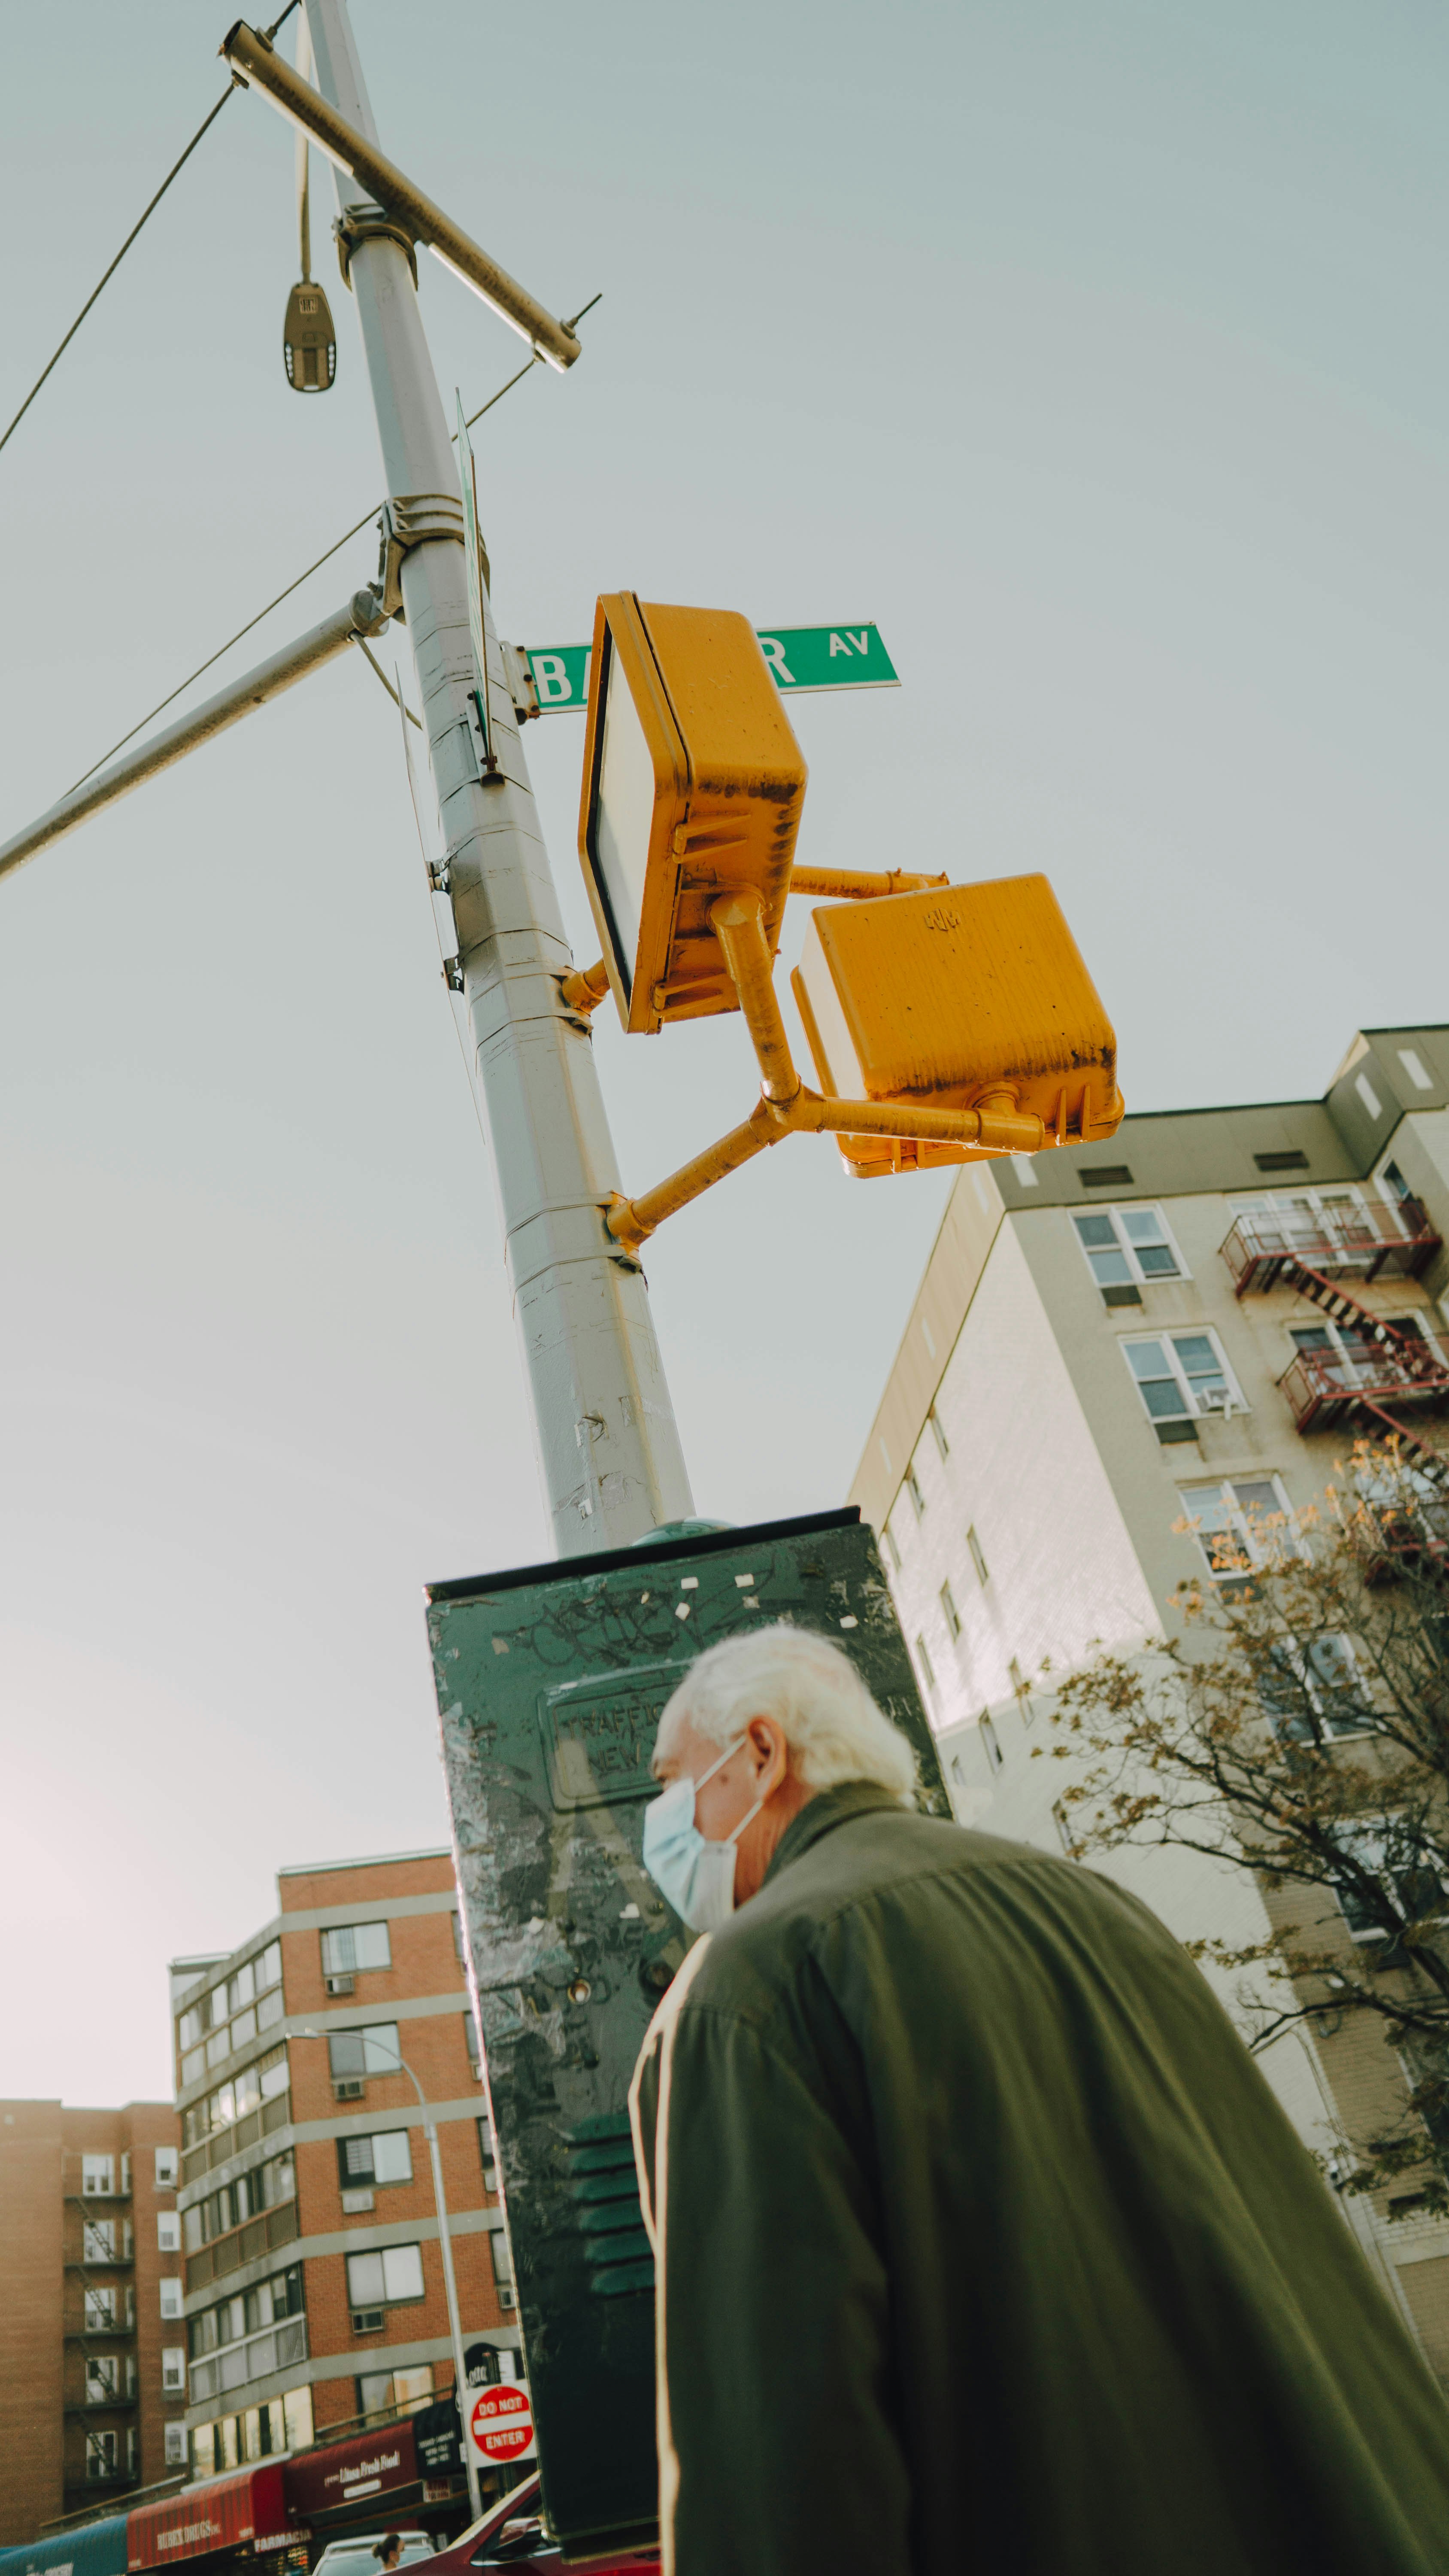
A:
[(343, 2473), (248, 2512), (92, 2549)]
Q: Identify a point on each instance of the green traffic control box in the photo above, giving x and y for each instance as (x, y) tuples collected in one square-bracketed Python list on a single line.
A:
[(551, 1680)]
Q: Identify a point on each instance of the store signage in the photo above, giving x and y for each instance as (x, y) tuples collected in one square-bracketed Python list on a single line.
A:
[(348, 2472), (229, 2513), (437, 2441)]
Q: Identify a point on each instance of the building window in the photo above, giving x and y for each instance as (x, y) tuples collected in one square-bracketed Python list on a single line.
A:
[(488, 2154), (170, 2297), (470, 2034), (384, 2394), (1240, 1525), (978, 1560), (168, 2231), (173, 2369), (994, 1754), (98, 2240), (242, 1995), (938, 1432), (175, 2445), (1180, 1376), (168, 2165), (370, 2051), (1023, 1693), (1125, 1249), (353, 1948), (923, 1664), (263, 2188), (102, 2454), (1414, 1066), (892, 1551), (949, 1610), (1064, 1831), (1314, 1691), (252, 2085), (918, 1504), (386, 2279), (247, 2312), (388, 2157), (100, 2311), (502, 2268), (98, 2177), (455, 1918), (103, 2379), (1398, 1862)]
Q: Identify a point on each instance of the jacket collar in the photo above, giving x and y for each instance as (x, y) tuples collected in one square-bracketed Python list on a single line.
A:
[(822, 1813)]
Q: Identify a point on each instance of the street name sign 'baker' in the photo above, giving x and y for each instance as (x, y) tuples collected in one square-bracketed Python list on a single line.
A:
[(803, 660)]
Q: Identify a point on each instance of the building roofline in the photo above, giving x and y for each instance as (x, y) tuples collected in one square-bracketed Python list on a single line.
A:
[(372, 1860)]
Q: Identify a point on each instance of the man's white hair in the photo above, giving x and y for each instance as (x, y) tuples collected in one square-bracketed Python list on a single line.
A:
[(816, 1696)]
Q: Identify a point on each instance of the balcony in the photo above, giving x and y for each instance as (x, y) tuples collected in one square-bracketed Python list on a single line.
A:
[(281, 2347), (263, 2234), (1348, 1243), (223, 2144), (1325, 1387)]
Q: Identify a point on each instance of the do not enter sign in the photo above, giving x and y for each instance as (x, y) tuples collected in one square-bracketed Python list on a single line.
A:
[(500, 2422)]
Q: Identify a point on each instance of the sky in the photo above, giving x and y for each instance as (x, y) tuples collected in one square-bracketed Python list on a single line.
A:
[(1096, 353)]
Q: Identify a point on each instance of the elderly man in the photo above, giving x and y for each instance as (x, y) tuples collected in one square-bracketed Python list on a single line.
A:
[(983, 2247)]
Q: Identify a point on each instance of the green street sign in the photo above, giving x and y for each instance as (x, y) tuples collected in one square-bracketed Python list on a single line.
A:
[(803, 659)]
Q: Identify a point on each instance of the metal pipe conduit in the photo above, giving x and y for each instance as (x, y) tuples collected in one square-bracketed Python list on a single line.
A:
[(361, 616), (254, 61)]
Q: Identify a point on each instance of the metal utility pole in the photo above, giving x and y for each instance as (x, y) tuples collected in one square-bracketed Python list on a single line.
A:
[(607, 1444)]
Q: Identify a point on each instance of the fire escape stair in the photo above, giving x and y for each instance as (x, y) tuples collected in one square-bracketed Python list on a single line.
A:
[(1413, 1358)]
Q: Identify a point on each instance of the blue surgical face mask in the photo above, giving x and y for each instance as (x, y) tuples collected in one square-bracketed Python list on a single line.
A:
[(698, 1877)]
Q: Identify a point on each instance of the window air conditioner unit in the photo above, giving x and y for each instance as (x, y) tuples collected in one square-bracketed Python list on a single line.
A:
[(367, 2320), (341, 1985), (1215, 1399), (348, 2088), (354, 2201), (507, 2298)]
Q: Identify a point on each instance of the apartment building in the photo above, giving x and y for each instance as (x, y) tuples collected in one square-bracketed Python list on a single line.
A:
[(313, 2293), (90, 2259), (1117, 1356)]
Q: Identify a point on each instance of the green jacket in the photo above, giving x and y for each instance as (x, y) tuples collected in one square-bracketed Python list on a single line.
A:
[(985, 2250)]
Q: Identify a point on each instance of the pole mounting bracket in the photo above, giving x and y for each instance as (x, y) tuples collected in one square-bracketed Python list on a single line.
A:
[(370, 223), (412, 519)]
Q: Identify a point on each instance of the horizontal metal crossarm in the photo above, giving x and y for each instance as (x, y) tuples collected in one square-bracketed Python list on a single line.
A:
[(256, 63), (361, 616)]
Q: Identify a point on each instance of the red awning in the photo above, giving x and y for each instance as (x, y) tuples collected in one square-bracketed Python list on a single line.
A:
[(370, 2464), (247, 2511)]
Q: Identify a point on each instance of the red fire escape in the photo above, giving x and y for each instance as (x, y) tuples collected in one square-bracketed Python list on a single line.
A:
[(1380, 1369)]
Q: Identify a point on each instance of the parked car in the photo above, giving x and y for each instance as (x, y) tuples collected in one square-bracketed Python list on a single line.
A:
[(357, 2554), (511, 2534)]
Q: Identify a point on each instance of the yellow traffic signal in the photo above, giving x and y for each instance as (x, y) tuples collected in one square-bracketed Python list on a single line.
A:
[(973, 997), (693, 786)]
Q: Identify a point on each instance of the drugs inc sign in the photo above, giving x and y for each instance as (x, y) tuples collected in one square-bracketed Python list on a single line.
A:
[(803, 660), (500, 2423)]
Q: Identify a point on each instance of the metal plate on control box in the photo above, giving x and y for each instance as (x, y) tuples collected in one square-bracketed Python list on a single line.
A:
[(551, 1680)]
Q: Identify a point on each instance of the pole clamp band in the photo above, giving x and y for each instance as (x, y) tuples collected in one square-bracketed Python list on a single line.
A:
[(370, 223), (412, 519)]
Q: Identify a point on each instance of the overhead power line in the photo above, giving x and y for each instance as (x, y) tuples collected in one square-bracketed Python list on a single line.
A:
[(177, 166), (355, 530), (115, 264)]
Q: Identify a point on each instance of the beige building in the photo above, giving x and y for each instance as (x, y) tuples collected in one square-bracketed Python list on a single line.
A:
[(1115, 1339)]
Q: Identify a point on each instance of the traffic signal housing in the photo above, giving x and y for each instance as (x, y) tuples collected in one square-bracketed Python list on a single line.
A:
[(693, 787), (967, 997)]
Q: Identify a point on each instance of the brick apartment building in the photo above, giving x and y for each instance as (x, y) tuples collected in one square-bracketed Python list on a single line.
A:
[(90, 2395), (314, 2294), (1117, 1355)]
